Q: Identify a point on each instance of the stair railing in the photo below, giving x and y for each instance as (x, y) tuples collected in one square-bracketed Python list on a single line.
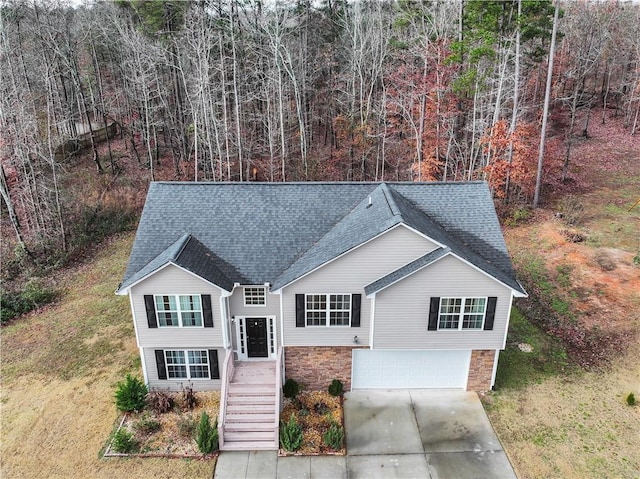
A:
[(278, 405), (228, 369)]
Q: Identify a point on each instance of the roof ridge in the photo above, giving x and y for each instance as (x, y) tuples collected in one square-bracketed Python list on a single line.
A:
[(393, 205), (186, 238)]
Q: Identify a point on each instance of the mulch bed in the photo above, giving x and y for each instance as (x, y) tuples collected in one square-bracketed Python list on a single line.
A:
[(176, 436), (315, 411)]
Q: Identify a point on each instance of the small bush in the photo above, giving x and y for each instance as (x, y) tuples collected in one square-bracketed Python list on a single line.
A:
[(147, 425), (334, 436), (123, 442), (291, 388), (631, 399), (33, 296), (130, 394), (572, 210), (159, 401), (189, 398), (207, 435), (187, 426), (291, 435), (336, 388)]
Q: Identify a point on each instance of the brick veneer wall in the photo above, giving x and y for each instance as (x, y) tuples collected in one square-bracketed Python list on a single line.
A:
[(481, 370), (317, 366)]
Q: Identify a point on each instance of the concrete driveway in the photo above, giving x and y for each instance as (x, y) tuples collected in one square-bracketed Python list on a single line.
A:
[(430, 434), (421, 433)]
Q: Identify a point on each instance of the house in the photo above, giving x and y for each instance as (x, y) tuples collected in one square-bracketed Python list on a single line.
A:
[(236, 286)]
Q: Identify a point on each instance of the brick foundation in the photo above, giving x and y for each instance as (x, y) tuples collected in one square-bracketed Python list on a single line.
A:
[(481, 370), (317, 366)]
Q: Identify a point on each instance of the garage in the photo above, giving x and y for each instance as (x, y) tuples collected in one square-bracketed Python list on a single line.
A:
[(402, 369)]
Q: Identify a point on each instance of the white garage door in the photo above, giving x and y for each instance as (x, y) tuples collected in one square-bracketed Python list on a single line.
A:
[(389, 369)]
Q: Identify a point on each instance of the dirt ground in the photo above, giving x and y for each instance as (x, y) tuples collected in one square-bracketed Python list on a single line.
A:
[(578, 425)]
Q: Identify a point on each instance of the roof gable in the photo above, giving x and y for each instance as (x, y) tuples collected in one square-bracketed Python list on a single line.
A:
[(257, 233)]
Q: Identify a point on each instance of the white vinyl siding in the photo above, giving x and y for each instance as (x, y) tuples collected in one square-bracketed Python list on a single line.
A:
[(402, 310), (178, 282), (349, 274), (177, 384), (237, 305)]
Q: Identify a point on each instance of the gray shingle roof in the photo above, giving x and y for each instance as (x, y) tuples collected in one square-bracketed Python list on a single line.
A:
[(406, 270), (256, 233)]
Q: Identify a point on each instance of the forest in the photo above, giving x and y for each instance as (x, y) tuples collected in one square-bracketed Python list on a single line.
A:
[(326, 90)]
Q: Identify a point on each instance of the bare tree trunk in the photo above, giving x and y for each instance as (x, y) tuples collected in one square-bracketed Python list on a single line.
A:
[(545, 113)]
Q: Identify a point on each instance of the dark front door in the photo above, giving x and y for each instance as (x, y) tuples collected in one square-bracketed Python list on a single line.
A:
[(257, 337)]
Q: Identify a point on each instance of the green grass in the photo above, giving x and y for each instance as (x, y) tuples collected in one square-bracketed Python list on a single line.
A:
[(517, 369)]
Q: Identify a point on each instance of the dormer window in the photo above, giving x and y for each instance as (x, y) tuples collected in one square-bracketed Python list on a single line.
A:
[(255, 296)]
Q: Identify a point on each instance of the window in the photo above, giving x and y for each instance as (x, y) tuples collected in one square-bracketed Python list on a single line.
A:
[(187, 364), (462, 313), (255, 296), (179, 310), (328, 309)]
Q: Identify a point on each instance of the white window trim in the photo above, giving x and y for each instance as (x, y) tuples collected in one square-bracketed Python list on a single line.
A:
[(461, 314), (180, 325), (187, 364), (264, 296), (327, 311)]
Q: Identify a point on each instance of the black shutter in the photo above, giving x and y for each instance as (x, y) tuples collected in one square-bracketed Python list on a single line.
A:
[(150, 306), (491, 313), (434, 312), (356, 299), (214, 370), (207, 313), (162, 370), (300, 307)]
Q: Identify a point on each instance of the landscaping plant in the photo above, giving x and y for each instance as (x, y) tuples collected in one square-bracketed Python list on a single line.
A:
[(336, 388), (631, 399), (146, 425), (123, 441), (291, 435), (159, 401), (291, 388), (207, 435), (189, 397), (334, 436), (131, 394)]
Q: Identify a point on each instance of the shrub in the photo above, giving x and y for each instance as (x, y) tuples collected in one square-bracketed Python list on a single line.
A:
[(123, 441), (291, 388), (130, 394), (207, 435), (187, 426), (334, 436), (631, 399), (336, 388), (147, 425), (189, 397), (33, 296), (159, 401), (291, 434)]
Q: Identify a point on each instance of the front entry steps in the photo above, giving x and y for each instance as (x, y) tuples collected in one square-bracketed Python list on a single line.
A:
[(251, 408)]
